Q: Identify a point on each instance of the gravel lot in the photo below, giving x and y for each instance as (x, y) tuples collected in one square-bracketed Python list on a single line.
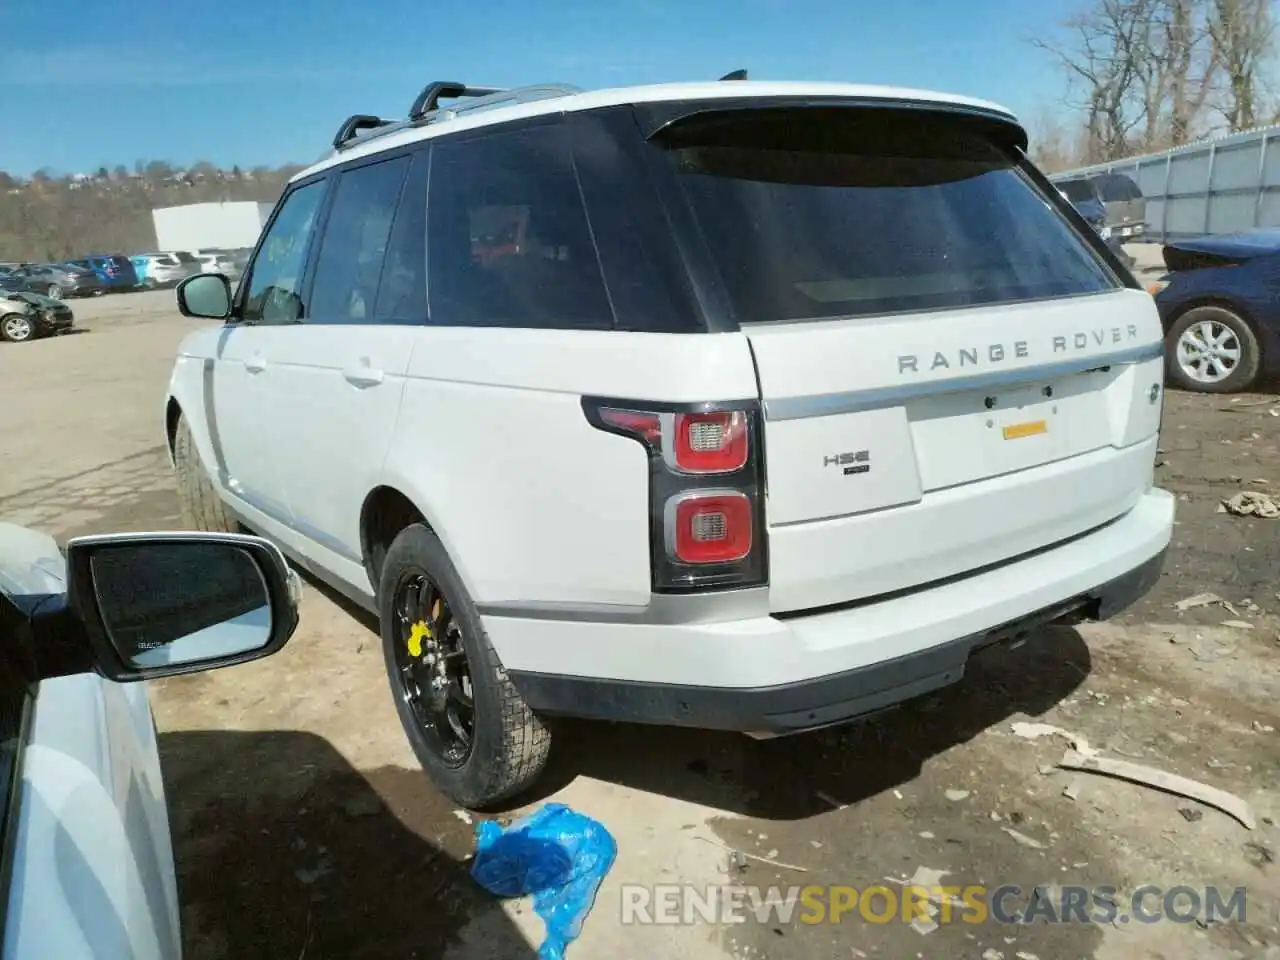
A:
[(303, 827)]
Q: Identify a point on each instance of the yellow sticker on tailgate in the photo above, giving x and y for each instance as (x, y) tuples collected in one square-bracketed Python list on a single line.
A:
[(1030, 428)]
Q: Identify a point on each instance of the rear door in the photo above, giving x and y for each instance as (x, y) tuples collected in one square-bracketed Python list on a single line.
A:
[(934, 345), (339, 382)]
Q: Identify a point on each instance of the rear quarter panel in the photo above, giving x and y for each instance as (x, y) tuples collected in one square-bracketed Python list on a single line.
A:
[(531, 501)]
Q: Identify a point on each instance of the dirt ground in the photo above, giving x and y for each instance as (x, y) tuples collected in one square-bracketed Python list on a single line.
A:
[(303, 827)]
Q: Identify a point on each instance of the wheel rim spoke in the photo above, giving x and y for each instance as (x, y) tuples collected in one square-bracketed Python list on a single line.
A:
[(436, 684), (1209, 351)]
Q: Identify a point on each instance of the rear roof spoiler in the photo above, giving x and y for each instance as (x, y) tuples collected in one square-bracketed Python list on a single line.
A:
[(657, 118)]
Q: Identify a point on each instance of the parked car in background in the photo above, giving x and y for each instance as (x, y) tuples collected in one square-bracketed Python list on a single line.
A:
[(59, 280), (1094, 213), (89, 868), (114, 269), (13, 281), (223, 263), (1220, 304), (1126, 206), (1123, 205), (25, 315), (156, 270)]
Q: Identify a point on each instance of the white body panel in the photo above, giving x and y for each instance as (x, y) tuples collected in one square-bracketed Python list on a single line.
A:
[(93, 868), (763, 651), (334, 399), (945, 490), (93, 871)]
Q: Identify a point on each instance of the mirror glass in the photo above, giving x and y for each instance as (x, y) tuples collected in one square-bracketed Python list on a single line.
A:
[(207, 296), (172, 604)]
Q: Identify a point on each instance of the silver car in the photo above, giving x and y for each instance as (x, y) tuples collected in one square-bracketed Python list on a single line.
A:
[(163, 269), (223, 263)]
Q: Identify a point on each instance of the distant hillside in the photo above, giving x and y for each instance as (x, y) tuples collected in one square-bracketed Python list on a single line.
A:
[(56, 218)]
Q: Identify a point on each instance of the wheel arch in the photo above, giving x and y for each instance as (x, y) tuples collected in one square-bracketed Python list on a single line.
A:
[(1224, 302), (387, 510)]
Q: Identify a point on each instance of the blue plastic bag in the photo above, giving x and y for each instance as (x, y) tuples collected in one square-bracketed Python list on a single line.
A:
[(556, 854)]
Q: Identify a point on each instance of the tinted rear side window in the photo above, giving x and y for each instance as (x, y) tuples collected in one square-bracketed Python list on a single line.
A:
[(810, 216), (507, 235)]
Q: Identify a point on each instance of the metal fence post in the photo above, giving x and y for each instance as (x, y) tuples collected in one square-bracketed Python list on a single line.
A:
[(1164, 210), (1262, 181), (1208, 185)]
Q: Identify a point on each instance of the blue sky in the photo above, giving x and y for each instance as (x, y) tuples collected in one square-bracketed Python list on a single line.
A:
[(253, 82)]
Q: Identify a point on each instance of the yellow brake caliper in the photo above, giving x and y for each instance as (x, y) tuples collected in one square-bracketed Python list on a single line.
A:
[(417, 633)]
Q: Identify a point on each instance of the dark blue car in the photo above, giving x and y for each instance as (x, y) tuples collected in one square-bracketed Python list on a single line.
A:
[(116, 271), (1220, 303)]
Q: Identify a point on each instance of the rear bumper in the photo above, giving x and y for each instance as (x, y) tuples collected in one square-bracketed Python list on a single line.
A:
[(779, 675)]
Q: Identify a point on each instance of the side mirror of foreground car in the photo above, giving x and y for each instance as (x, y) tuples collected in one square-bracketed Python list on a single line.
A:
[(149, 605), (206, 296)]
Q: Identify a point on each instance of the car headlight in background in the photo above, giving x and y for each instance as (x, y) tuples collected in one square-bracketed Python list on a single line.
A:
[(1104, 232), (1156, 286)]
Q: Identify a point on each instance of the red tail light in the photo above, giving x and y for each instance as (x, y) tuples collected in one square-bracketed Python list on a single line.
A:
[(706, 490), (708, 527), (710, 442)]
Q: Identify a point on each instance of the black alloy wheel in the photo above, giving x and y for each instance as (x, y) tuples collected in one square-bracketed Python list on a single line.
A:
[(434, 673)]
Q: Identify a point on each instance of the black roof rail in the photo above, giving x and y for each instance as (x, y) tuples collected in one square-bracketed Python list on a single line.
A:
[(355, 124), (432, 93), (735, 75)]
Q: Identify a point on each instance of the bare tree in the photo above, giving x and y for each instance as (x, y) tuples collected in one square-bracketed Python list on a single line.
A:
[(1193, 62), (1243, 36), (1176, 65), (1053, 145), (1104, 59)]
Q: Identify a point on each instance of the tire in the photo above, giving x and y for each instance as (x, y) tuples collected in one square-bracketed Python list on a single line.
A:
[(509, 744), (15, 328), (202, 508), (1235, 359), (54, 292)]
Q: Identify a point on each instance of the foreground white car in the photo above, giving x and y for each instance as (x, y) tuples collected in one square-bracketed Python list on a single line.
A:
[(88, 870), (749, 406)]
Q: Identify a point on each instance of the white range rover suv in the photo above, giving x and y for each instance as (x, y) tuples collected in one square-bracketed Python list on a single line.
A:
[(750, 406)]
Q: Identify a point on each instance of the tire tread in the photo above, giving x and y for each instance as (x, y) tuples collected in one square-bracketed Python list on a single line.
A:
[(508, 763), (202, 508)]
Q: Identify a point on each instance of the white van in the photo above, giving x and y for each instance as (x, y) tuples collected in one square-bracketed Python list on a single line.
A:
[(751, 406)]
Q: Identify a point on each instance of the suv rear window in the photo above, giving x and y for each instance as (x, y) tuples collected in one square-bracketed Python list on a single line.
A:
[(1116, 187), (868, 212), (1078, 191)]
